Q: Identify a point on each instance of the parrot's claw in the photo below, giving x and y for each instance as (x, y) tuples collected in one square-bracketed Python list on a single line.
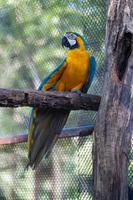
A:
[(77, 92)]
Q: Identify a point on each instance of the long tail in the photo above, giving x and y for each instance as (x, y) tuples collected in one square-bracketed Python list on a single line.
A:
[(47, 126)]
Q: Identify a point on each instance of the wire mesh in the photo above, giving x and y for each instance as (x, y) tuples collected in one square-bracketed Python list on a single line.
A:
[(30, 38)]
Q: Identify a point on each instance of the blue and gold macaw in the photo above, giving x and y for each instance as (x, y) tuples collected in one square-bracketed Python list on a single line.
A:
[(75, 73)]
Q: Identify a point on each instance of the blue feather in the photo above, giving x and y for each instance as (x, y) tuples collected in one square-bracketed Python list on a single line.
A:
[(45, 81), (91, 74), (50, 74), (85, 43)]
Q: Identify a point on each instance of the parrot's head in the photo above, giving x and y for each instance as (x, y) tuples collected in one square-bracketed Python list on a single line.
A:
[(74, 40)]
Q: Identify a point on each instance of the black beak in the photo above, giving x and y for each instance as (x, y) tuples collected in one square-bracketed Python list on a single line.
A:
[(65, 42)]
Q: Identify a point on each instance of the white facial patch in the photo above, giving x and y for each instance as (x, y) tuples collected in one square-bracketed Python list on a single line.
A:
[(71, 37), (71, 42)]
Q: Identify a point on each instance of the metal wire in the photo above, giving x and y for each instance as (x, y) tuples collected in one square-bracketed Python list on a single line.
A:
[(30, 34)]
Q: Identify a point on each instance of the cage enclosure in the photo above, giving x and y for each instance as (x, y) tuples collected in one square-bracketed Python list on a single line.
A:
[(30, 47)]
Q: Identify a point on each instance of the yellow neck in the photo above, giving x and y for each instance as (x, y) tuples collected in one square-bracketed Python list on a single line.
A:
[(80, 43)]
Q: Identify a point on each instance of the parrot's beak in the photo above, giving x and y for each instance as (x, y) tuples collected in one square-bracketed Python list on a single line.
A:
[(65, 42)]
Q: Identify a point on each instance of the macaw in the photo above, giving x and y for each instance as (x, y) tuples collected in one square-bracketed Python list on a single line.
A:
[(75, 74)]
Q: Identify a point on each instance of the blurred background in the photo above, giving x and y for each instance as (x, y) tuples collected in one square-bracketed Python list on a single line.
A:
[(30, 47)]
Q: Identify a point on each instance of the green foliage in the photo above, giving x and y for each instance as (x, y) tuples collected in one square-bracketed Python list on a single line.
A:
[(30, 36), (130, 167), (30, 47)]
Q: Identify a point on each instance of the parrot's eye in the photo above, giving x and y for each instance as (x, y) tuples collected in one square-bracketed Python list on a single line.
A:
[(71, 36)]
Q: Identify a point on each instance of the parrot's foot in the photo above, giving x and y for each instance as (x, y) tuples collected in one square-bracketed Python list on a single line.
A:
[(77, 92)]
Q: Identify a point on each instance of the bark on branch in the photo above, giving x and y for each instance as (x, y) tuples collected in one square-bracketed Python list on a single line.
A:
[(48, 99)]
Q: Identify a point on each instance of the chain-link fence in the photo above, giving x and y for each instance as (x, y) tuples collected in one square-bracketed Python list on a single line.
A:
[(30, 46)]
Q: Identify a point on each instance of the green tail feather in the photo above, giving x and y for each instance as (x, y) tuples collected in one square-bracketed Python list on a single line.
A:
[(47, 126)]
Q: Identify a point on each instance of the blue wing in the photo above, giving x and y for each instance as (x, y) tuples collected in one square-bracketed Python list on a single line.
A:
[(56, 73), (91, 74), (45, 80)]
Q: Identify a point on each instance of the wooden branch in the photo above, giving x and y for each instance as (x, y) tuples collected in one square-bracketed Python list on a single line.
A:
[(48, 99), (66, 133)]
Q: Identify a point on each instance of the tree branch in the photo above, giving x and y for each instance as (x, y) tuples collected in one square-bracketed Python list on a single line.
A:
[(48, 99), (66, 133)]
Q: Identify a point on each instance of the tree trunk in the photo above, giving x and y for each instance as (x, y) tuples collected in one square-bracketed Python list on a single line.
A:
[(114, 124)]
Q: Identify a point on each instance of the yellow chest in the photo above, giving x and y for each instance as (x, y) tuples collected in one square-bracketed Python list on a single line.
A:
[(76, 72)]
